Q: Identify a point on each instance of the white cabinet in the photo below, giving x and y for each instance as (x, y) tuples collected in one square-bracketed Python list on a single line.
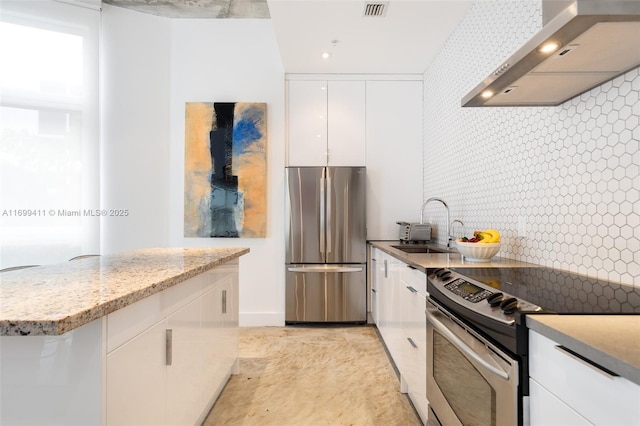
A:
[(374, 274), (401, 293), (326, 123), (137, 369), (186, 376), (413, 285), (390, 322), (566, 387), (172, 371), (548, 410), (394, 155)]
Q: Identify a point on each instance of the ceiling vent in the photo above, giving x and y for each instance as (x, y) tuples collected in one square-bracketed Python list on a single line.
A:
[(375, 9)]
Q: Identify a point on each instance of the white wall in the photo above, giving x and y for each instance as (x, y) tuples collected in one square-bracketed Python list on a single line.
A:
[(152, 67), (561, 183), (228, 60), (135, 129)]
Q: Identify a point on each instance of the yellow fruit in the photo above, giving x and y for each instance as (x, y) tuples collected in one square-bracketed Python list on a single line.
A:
[(486, 237), (491, 236)]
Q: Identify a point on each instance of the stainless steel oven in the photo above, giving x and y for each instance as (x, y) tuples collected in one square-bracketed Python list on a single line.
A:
[(470, 381), (477, 339)]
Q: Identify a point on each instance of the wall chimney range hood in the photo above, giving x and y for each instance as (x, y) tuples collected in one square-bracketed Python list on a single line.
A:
[(582, 44)]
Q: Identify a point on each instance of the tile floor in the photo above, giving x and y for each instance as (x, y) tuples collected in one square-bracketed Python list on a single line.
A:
[(312, 376)]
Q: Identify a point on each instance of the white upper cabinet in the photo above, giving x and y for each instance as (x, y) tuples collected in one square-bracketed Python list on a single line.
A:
[(346, 135), (326, 123), (307, 123)]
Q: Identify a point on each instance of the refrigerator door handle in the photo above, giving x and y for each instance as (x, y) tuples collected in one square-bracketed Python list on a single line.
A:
[(322, 213), (321, 268), (328, 214)]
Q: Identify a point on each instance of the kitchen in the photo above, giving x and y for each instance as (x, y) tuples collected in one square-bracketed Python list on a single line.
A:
[(559, 182)]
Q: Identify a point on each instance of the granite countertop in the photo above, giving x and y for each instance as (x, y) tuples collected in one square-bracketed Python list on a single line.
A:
[(452, 259), (55, 299), (612, 341)]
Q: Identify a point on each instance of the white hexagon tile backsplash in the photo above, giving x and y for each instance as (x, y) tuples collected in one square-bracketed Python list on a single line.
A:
[(562, 183)]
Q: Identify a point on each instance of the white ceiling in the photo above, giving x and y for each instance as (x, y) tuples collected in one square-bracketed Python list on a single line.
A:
[(405, 40)]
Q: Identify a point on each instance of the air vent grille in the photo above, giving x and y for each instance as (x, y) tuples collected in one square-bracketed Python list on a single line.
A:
[(375, 9)]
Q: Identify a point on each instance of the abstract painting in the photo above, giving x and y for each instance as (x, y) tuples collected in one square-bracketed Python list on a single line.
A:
[(225, 170)]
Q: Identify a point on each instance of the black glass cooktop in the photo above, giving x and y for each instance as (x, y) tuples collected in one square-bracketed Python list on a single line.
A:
[(559, 291)]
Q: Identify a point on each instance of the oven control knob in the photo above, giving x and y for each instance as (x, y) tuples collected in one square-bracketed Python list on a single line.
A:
[(495, 299), (509, 305), (442, 273)]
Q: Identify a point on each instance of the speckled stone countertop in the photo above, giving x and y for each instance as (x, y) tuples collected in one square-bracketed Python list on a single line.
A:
[(54, 299), (452, 259), (612, 341)]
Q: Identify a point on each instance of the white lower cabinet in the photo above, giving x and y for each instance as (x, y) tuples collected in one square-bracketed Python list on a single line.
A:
[(136, 380), (401, 302), (548, 410), (413, 285), (566, 390), (187, 373), (173, 371)]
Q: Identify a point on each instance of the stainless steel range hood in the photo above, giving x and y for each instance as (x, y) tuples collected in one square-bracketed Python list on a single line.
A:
[(596, 40)]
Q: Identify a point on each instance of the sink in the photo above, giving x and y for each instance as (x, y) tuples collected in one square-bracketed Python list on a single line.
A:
[(421, 248)]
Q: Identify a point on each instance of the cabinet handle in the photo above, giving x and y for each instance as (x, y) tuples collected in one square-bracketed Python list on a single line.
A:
[(169, 346), (373, 290), (586, 361), (224, 301), (411, 289), (412, 343), (386, 269)]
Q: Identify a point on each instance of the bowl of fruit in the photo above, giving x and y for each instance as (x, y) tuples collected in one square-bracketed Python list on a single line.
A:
[(481, 247)]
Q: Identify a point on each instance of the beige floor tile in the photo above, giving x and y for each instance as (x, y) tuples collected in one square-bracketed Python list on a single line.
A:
[(296, 376)]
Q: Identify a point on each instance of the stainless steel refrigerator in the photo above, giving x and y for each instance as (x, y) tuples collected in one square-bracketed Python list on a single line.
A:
[(325, 245)]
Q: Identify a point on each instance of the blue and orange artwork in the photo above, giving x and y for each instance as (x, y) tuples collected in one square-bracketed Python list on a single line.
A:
[(225, 170)]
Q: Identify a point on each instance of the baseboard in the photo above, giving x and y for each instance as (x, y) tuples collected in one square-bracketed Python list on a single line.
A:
[(261, 319)]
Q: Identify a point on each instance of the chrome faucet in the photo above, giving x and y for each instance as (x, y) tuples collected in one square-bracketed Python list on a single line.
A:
[(451, 227), (448, 218)]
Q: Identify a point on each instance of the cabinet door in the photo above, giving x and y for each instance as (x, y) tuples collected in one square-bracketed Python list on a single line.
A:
[(374, 264), (598, 397), (230, 319), (185, 380), (394, 325), (213, 341), (307, 123), (546, 409), (346, 124), (414, 353), (393, 156), (136, 379)]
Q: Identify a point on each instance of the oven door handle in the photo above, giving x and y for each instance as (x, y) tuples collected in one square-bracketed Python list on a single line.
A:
[(463, 346)]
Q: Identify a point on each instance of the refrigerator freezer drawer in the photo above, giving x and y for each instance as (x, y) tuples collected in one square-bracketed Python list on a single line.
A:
[(326, 293)]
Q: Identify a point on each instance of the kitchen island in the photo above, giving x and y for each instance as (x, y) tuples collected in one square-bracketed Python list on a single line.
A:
[(116, 339)]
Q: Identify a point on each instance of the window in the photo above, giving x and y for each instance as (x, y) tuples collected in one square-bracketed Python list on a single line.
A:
[(49, 164)]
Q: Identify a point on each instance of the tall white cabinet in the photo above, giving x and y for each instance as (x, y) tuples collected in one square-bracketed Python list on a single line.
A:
[(394, 156)]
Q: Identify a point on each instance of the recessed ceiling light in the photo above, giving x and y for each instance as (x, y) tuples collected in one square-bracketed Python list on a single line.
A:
[(326, 55), (487, 94)]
